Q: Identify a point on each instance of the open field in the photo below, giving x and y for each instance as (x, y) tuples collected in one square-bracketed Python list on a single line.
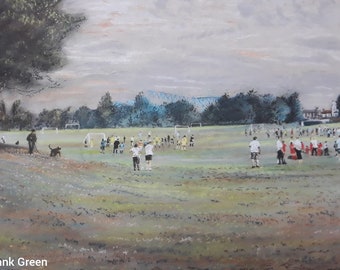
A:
[(203, 208)]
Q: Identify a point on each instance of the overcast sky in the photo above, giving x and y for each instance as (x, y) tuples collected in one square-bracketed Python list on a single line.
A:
[(200, 48)]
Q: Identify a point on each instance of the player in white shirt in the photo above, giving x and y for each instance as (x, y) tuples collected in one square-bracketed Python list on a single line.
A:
[(148, 155), (136, 156), (255, 151)]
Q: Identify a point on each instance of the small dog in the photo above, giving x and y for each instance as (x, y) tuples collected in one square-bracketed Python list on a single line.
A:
[(54, 151)]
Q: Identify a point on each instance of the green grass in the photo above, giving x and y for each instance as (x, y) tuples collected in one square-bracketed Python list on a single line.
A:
[(199, 208)]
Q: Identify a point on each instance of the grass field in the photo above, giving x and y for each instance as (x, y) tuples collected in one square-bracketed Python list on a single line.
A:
[(203, 208)]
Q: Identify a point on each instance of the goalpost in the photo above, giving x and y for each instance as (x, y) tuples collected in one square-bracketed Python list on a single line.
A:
[(92, 139), (196, 125), (196, 128), (72, 126), (181, 130), (49, 128)]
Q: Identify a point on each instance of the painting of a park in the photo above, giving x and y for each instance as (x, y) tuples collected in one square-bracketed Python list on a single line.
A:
[(169, 134)]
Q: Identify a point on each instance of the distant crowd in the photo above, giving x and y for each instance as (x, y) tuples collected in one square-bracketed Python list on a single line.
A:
[(313, 145), (139, 144)]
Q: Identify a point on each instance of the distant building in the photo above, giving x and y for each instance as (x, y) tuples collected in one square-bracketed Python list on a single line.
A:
[(326, 113), (334, 111), (321, 114), (312, 114)]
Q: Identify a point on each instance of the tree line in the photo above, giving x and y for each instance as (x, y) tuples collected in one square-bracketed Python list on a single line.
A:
[(242, 108)]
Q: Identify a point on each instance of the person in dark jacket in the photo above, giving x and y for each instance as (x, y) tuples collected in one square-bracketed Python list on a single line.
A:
[(31, 139)]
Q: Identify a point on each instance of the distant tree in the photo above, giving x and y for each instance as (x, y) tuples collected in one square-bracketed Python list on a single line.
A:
[(281, 110), (123, 113), (141, 102), (15, 113), (251, 107), (65, 117), (140, 110), (228, 109), (43, 118), (56, 118), (144, 113), (240, 108), (265, 110), (105, 111), (181, 112), (31, 38), (294, 104), (82, 115), (4, 118), (254, 100), (208, 115), (221, 112), (19, 117)]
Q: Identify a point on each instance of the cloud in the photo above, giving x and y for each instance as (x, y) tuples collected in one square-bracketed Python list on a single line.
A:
[(321, 42), (202, 47)]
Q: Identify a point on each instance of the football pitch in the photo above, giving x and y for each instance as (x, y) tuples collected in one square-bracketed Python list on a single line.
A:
[(199, 208)]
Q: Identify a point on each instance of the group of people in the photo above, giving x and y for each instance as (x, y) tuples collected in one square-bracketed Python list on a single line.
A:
[(182, 143), (136, 151), (118, 146), (148, 144), (296, 148), (148, 147)]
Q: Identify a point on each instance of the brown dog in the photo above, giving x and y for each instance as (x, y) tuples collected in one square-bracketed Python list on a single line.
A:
[(54, 151)]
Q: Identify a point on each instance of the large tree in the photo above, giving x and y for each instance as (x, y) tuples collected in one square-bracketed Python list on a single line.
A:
[(31, 38)]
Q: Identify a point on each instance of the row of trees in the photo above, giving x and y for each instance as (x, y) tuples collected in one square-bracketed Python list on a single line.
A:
[(249, 107), (254, 108)]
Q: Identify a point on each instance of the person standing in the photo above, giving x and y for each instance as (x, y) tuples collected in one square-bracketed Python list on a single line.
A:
[(337, 146), (116, 146), (284, 149), (292, 151), (314, 146), (255, 151), (102, 146), (184, 142), (135, 150), (192, 141), (32, 139), (325, 149), (298, 149), (148, 155), (280, 152)]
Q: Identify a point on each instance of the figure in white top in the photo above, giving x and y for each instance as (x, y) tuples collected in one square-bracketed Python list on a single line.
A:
[(255, 151), (148, 155)]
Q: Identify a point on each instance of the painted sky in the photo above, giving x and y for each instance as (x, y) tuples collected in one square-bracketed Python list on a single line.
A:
[(200, 48)]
